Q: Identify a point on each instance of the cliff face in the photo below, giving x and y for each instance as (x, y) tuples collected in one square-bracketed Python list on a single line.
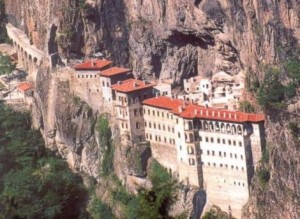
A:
[(175, 39)]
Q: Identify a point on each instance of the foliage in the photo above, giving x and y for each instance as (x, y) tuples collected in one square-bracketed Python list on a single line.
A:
[(265, 156), (154, 202), (106, 144), (3, 34), (263, 176), (293, 70), (6, 66), (271, 92), (245, 106), (100, 210), (33, 183)]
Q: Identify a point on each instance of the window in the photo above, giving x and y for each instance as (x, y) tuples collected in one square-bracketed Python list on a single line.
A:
[(91, 76), (150, 136), (224, 154), (240, 143), (242, 158), (178, 135), (213, 153), (165, 139), (173, 130), (234, 143), (150, 125), (230, 155), (229, 142), (192, 161), (153, 113), (176, 121), (145, 124), (157, 113), (214, 164), (207, 152), (137, 125), (221, 165), (164, 127), (223, 141), (154, 125), (212, 140), (135, 112), (158, 126), (180, 147), (107, 84), (148, 112), (141, 111), (200, 138), (208, 163), (206, 139), (218, 141), (201, 151), (162, 115), (220, 153)]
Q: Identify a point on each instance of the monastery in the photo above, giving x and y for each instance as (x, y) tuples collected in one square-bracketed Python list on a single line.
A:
[(199, 137)]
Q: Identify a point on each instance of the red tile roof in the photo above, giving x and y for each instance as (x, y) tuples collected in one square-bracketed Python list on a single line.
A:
[(24, 86), (131, 85), (114, 71), (191, 111), (163, 102), (93, 64)]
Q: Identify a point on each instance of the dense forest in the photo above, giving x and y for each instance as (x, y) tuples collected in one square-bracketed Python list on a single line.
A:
[(33, 182)]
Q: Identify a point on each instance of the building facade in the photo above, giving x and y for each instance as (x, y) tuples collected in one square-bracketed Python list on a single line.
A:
[(217, 150), (128, 96)]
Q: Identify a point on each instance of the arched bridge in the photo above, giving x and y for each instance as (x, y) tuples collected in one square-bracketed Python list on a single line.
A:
[(28, 55)]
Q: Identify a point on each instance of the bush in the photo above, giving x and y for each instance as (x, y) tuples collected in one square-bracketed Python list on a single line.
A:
[(271, 92), (106, 144), (99, 210), (245, 106), (6, 66), (263, 176), (293, 70)]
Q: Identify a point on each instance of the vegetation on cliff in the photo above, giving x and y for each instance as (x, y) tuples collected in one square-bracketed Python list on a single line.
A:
[(3, 34), (33, 182)]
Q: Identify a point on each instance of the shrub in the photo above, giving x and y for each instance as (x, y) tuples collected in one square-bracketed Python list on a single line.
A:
[(263, 176), (99, 210), (245, 106), (271, 92)]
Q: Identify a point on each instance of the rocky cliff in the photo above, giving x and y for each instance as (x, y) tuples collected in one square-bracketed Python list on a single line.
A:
[(176, 39)]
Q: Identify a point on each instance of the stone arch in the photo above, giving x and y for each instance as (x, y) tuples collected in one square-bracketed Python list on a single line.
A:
[(233, 129), (191, 150), (35, 60)]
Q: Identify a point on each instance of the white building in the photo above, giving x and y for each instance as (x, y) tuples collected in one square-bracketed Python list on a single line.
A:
[(209, 148)]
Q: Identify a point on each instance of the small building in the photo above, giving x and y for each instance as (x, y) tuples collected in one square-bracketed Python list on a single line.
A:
[(110, 77), (25, 89), (89, 69), (164, 88), (128, 96)]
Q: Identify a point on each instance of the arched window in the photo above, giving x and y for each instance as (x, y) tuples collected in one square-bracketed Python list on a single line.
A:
[(191, 136), (191, 161), (217, 127), (211, 127), (239, 130), (205, 124), (190, 150), (228, 130), (233, 129), (222, 127)]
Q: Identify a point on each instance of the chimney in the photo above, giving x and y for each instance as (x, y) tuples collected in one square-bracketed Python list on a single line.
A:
[(219, 114), (156, 94), (235, 116), (206, 112), (213, 113), (201, 112), (229, 115), (119, 82)]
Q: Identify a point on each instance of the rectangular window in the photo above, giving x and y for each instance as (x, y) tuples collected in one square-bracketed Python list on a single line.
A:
[(220, 153), (178, 135), (224, 154), (234, 143), (141, 111), (218, 141), (206, 139), (176, 121), (157, 113), (223, 141), (135, 112), (240, 143), (229, 142), (242, 158), (213, 153), (212, 140), (207, 152)]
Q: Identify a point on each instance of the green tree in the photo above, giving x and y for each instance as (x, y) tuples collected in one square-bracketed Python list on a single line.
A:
[(6, 66), (293, 70), (271, 92)]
